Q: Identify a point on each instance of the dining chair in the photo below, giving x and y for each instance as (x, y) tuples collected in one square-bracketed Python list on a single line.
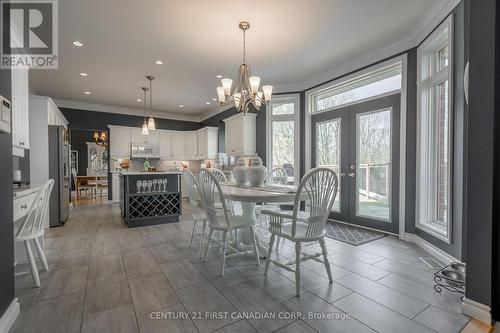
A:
[(213, 198), (318, 188), (81, 188), (219, 175), (197, 210), (31, 228), (279, 177)]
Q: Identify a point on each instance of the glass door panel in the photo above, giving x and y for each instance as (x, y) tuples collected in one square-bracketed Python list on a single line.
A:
[(328, 151), (373, 165)]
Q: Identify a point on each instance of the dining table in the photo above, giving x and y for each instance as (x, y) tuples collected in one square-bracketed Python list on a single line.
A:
[(86, 179), (249, 196)]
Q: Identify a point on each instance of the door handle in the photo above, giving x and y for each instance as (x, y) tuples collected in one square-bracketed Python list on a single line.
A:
[(352, 174)]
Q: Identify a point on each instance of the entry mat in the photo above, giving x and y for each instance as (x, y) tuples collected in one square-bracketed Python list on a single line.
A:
[(350, 234)]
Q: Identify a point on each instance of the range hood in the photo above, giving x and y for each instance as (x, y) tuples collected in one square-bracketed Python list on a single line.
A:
[(145, 150)]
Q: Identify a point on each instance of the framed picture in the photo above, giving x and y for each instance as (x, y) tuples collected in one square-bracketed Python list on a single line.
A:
[(74, 161)]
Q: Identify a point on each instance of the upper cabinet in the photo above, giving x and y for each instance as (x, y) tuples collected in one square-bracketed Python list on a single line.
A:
[(191, 145), (20, 111), (207, 142), (177, 146), (120, 139), (166, 145), (240, 134)]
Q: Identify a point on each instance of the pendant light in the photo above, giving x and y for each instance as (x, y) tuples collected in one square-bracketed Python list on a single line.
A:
[(151, 121), (145, 130)]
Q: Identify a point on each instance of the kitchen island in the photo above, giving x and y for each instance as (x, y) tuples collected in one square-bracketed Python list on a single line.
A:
[(148, 198)]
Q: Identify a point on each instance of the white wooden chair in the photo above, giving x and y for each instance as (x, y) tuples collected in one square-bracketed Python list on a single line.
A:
[(198, 212), (31, 228), (279, 177), (319, 186), (213, 198), (219, 175)]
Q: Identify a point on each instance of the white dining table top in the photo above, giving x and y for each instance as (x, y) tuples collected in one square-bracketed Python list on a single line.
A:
[(262, 194)]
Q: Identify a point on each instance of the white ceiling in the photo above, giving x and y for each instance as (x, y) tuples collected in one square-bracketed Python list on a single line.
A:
[(291, 45)]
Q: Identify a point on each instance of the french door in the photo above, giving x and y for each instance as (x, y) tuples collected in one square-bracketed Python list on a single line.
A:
[(360, 143)]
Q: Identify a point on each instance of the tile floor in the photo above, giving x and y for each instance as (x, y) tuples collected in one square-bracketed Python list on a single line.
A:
[(104, 277)]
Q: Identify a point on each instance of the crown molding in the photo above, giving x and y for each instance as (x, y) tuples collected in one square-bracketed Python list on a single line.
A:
[(210, 113), (123, 110)]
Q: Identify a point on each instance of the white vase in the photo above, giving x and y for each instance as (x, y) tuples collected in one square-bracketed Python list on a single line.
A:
[(256, 172), (240, 172)]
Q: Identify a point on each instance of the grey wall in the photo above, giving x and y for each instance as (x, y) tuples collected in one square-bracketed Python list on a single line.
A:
[(6, 229), (479, 166)]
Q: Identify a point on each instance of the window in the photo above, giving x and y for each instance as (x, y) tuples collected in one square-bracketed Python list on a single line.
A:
[(283, 135), (374, 83), (434, 119), (328, 150)]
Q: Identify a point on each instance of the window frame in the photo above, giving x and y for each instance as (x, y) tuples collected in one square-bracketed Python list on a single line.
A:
[(295, 117), (429, 77)]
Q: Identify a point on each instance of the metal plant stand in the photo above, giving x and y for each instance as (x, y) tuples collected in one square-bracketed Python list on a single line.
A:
[(454, 283)]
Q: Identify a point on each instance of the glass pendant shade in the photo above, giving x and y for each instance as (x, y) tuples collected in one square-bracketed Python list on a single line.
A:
[(268, 92), (151, 124), (220, 93), (254, 83), (226, 84), (145, 130)]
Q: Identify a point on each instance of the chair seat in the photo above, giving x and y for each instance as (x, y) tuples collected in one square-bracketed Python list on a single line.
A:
[(300, 231)]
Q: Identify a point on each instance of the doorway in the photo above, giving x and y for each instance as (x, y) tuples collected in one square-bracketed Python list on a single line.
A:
[(360, 142)]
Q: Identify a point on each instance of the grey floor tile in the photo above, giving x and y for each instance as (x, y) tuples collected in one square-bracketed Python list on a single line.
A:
[(56, 315), (247, 297), (173, 321), (241, 326), (355, 253), (72, 259), (65, 281), (206, 299), (394, 300), (166, 252), (369, 271), (109, 264), (377, 316), (182, 273), (117, 320), (152, 293), (408, 271), (275, 284), (107, 292), (442, 321), (140, 264), (312, 308), (298, 326)]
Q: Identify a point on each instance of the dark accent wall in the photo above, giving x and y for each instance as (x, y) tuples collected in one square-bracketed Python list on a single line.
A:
[(79, 138), (218, 121), (6, 214), (480, 152)]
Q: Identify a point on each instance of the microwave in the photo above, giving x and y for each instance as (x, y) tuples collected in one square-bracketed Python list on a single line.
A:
[(145, 150)]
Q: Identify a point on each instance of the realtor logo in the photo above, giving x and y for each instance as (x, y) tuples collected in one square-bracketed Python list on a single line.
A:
[(29, 36)]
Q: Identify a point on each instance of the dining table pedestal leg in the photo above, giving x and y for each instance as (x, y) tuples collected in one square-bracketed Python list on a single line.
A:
[(245, 236)]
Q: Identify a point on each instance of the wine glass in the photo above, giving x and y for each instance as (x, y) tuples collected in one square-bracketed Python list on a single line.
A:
[(138, 185), (144, 186), (150, 185), (155, 185), (164, 185)]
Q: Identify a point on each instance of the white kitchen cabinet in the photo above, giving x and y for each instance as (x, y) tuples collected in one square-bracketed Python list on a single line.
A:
[(20, 111), (55, 116), (166, 145), (178, 146), (240, 134), (191, 145), (207, 142), (119, 141), (137, 137)]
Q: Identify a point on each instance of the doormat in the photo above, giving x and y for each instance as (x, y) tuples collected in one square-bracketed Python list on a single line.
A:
[(350, 234)]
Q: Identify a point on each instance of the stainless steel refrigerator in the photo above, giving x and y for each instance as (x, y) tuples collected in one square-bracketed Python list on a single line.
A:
[(59, 170)]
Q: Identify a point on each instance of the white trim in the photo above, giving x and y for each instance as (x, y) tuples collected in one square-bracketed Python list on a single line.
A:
[(439, 254), (402, 148), (10, 316), (61, 103), (477, 311), (296, 118)]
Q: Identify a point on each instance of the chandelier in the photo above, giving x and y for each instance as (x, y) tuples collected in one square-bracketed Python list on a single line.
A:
[(246, 91), (100, 138)]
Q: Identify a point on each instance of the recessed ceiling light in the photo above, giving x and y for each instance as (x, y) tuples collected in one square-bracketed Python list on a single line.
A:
[(181, 106), (207, 103), (139, 100), (219, 76), (86, 92), (77, 43), (214, 99), (83, 74), (159, 62)]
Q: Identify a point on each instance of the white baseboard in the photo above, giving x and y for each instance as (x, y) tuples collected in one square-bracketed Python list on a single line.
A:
[(439, 254), (477, 311), (10, 315)]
